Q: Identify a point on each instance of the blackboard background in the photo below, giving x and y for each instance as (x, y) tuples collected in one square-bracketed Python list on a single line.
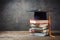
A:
[(14, 15)]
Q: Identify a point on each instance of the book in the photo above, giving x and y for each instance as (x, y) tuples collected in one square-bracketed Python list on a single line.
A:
[(39, 27)]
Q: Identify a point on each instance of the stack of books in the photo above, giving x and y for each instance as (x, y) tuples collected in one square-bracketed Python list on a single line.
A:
[(39, 29)]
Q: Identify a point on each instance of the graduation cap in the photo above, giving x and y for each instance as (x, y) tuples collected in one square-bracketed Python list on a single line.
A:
[(40, 15)]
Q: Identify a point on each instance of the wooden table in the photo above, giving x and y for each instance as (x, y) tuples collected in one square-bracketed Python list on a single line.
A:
[(20, 35)]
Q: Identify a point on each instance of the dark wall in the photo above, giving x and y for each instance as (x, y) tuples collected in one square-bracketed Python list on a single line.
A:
[(14, 14), (55, 14)]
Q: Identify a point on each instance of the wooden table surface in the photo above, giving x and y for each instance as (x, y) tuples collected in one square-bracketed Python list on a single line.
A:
[(14, 32), (22, 35)]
